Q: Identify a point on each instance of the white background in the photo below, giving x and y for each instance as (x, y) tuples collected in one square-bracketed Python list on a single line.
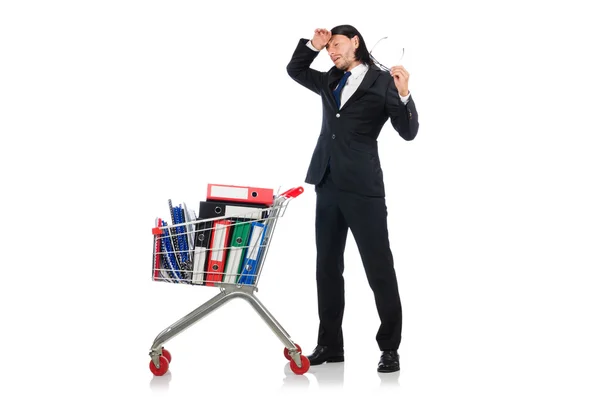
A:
[(110, 108)]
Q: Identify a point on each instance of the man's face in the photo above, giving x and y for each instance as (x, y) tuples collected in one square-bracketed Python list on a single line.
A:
[(341, 50)]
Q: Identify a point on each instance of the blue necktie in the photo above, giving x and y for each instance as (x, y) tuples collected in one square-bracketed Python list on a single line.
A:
[(338, 91)]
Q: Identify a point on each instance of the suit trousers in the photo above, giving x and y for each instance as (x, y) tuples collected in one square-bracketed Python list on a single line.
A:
[(366, 217)]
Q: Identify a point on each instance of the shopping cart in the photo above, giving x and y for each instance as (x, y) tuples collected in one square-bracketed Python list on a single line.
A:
[(228, 252)]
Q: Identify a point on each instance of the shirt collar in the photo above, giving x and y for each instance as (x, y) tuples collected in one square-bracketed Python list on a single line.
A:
[(358, 71)]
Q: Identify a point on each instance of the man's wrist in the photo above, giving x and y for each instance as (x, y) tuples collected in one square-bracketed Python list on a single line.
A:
[(310, 45), (404, 98)]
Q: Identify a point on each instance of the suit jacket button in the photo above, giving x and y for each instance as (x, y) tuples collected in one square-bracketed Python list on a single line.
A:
[(333, 136), (337, 115)]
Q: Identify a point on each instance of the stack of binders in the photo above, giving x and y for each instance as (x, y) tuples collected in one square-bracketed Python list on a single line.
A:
[(230, 234)]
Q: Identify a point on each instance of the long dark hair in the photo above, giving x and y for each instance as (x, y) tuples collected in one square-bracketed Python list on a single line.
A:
[(361, 53)]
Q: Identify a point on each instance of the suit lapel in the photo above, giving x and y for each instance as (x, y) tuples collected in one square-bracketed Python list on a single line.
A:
[(370, 77)]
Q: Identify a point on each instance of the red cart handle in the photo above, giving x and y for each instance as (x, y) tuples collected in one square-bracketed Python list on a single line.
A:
[(293, 192)]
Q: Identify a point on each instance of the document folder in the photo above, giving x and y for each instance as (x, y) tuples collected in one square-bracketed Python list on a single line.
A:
[(250, 267), (173, 234), (182, 243), (237, 251), (201, 245), (171, 265), (161, 259), (246, 194), (157, 254), (238, 211), (218, 251), (189, 216)]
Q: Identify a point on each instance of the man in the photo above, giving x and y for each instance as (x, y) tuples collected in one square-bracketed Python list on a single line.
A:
[(358, 98)]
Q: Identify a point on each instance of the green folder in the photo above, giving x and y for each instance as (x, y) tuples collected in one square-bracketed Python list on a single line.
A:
[(237, 252)]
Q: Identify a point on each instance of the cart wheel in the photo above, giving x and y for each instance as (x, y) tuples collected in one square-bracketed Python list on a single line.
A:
[(164, 366), (305, 366), (166, 354), (286, 351)]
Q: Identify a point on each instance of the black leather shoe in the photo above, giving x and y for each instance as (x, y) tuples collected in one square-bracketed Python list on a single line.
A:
[(323, 354), (389, 362)]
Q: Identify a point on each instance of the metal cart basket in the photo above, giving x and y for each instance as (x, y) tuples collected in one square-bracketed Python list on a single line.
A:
[(228, 252)]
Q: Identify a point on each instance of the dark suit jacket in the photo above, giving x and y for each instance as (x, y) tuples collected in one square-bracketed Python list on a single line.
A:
[(348, 139)]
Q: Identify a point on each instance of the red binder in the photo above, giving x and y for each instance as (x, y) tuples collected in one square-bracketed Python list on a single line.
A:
[(218, 251), (157, 232), (244, 194)]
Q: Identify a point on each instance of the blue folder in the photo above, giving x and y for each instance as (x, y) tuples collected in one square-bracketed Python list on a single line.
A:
[(255, 248), (173, 269)]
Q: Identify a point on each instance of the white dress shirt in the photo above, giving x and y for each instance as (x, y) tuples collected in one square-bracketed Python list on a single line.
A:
[(357, 76)]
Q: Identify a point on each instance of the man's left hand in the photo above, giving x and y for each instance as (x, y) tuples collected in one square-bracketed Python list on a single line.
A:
[(400, 79)]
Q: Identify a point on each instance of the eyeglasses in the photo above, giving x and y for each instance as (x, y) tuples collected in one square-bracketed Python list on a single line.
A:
[(385, 68)]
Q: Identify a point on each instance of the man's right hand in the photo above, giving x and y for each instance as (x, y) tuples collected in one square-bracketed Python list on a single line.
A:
[(321, 38)]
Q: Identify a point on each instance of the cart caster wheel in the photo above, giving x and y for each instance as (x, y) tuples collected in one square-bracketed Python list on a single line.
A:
[(286, 351), (166, 354), (305, 366), (164, 366)]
